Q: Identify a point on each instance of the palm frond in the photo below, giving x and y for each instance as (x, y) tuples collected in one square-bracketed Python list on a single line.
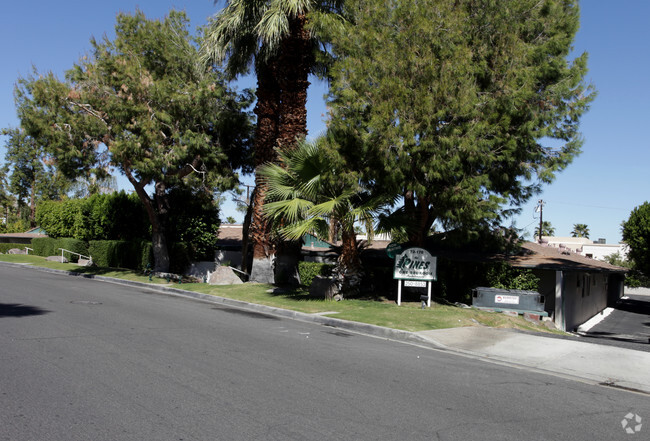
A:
[(289, 211), (297, 230)]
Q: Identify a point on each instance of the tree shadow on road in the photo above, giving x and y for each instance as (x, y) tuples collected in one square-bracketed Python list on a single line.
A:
[(18, 310), (634, 305)]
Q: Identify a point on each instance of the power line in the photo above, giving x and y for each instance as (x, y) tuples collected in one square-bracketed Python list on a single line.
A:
[(572, 204)]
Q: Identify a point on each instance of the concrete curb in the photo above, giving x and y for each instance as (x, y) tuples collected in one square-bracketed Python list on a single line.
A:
[(357, 327), (414, 338)]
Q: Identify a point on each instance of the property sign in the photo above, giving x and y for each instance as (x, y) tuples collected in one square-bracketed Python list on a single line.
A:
[(510, 300), (415, 264)]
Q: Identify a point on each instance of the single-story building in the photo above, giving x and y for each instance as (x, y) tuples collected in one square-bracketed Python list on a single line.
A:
[(22, 238), (575, 287)]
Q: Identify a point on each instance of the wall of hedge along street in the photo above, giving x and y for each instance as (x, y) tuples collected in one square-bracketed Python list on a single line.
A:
[(48, 246), (5, 247), (98, 217), (135, 254)]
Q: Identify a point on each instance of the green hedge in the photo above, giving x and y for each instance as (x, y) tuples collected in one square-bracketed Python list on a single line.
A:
[(309, 270), (74, 245), (98, 217), (5, 247), (48, 246), (45, 246), (121, 253)]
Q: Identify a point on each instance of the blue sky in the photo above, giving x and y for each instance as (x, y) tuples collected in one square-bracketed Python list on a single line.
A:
[(599, 189)]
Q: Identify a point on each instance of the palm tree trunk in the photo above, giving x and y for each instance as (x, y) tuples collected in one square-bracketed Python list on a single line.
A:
[(296, 58), (349, 268), (266, 135), (295, 61)]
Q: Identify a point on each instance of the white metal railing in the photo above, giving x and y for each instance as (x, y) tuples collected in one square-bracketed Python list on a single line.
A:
[(89, 258), (239, 271), (27, 249)]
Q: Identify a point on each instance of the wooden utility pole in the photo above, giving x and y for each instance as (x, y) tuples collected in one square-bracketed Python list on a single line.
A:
[(540, 208)]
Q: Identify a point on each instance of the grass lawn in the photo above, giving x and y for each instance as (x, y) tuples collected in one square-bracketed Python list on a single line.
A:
[(409, 316)]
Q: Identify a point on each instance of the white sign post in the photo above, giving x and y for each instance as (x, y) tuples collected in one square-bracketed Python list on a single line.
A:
[(417, 268)]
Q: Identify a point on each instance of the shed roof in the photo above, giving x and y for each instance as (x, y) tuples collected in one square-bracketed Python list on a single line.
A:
[(538, 256)]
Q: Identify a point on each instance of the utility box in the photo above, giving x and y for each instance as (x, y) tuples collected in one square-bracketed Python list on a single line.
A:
[(513, 299)]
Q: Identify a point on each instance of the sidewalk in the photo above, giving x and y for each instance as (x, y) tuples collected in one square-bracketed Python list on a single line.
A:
[(594, 363), (600, 364)]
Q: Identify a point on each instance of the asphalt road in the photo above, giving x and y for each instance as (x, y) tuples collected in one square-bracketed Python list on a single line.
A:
[(89, 360), (627, 326)]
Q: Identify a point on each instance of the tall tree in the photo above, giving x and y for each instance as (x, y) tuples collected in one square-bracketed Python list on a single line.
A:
[(144, 104), (580, 230), (452, 104), (636, 233), (33, 174), (280, 39), (5, 196)]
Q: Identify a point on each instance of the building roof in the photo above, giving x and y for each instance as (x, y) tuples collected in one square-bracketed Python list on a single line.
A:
[(23, 235), (536, 256), (231, 235)]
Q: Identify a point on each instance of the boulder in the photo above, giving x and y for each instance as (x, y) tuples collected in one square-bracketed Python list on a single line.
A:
[(16, 251), (56, 259), (224, 276), (323, 288)]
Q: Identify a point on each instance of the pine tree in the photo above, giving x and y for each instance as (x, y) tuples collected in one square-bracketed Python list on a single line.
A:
[(144, 104), (450, 105)]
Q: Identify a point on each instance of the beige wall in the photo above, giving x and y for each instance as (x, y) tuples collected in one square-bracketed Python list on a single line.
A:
[(585, 295)]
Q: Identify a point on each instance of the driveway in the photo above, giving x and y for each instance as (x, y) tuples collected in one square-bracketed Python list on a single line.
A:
[(627, 325)]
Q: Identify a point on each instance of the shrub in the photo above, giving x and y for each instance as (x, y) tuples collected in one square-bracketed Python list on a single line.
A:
[(193, 220), (120, 253), (44, 246), (5, 247), (99, 217), (74, 245), (309, 270), (179, 257), (503, 276)]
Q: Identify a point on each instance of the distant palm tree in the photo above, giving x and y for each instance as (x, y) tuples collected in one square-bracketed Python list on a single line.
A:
[(547, 229), (580, 230)]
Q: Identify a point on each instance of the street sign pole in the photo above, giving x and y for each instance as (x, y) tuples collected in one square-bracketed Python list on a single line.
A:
[(399, 292)]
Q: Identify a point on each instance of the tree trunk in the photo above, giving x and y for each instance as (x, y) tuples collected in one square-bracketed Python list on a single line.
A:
[(158, 236), (417, 209), (332, 231), (245, 234), (349, 269), (158, 227), (32, 205), (266, 134), (282, 84), (296, 59)]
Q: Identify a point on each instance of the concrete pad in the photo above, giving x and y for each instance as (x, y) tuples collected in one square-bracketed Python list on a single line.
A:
[(597, 363)]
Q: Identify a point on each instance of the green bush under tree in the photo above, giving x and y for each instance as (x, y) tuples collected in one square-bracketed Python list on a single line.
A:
[(309, 270)]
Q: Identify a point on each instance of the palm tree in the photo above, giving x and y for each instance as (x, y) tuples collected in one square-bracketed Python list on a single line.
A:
[(547, 229), (274, 36), (580, 230), (306, 195)]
